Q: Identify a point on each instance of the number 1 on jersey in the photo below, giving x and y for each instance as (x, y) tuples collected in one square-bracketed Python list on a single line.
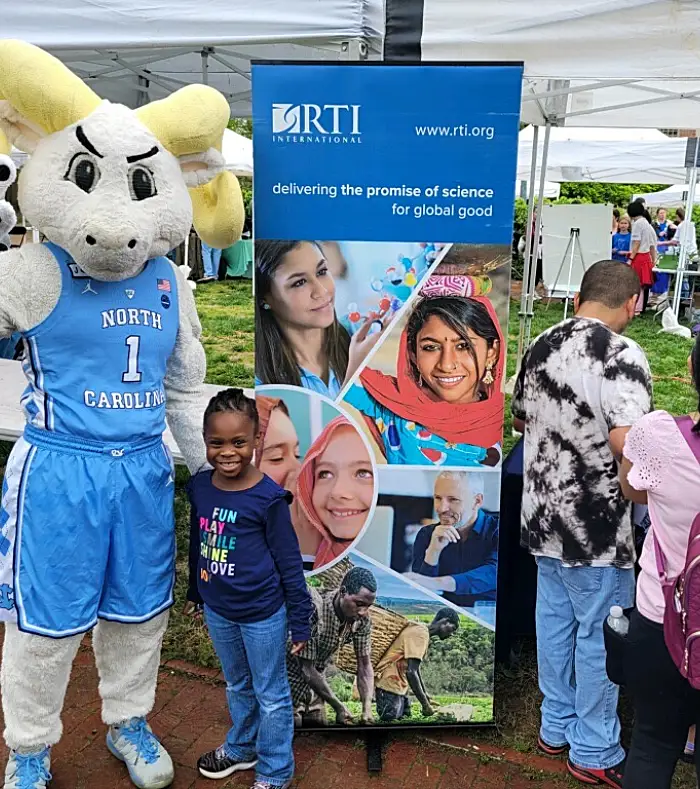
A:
[(132, 374)]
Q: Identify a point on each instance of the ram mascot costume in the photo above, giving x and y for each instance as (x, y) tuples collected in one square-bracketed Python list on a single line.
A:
[(111, 349)]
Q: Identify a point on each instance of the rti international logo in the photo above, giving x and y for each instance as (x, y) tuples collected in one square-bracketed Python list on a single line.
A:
[(326, 124)]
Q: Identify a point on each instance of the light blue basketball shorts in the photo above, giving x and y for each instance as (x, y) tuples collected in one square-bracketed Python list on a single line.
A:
[(87, 532)]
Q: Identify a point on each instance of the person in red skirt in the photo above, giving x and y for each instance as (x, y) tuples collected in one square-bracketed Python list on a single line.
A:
[(642, 254)]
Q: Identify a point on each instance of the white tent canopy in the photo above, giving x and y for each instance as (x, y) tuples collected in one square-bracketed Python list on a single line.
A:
[(620, 156), (634, 63), (133, 52), (675, 196), (237, 150)]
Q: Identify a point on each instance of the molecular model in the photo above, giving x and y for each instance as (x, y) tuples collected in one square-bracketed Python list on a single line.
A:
[(395, 286)]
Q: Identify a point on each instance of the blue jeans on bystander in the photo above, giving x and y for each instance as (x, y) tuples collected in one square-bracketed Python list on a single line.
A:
[(580, 702), (253, 659), (211, 258)]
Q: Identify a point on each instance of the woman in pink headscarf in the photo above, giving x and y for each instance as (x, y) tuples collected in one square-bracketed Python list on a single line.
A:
[(335, 491)]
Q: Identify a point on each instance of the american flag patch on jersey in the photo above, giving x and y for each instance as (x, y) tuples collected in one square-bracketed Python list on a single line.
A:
[(164, 284)]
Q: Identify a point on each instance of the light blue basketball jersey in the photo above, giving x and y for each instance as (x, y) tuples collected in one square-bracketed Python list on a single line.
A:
[(96, 366)]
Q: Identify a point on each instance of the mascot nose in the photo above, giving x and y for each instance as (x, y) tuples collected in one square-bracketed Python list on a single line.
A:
[(110, 242)]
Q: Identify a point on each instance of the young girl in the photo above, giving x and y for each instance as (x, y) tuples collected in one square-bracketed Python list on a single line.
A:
[(622, 239), (300, 340), (246, 568), (335, 491)]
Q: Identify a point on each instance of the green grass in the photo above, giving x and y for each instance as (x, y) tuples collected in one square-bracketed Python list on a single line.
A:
[(667, 358), (483, 710), (228, 329)]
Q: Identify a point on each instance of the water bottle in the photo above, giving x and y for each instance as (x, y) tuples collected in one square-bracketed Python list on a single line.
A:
[(617, 621)]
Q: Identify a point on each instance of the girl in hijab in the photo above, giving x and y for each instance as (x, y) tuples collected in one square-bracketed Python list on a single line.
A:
[(445, 405), (335, 492)]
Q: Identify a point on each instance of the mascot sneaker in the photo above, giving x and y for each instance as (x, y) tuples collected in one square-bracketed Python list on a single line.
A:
[(28, 770), (148, 763)]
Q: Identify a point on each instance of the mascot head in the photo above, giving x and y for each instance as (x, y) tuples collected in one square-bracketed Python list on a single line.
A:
[(110, 185)]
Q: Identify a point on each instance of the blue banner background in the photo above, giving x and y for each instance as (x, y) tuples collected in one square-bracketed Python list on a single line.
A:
[(458, 108)]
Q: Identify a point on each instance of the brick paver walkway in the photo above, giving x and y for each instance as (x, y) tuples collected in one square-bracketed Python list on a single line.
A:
[(191, 717)]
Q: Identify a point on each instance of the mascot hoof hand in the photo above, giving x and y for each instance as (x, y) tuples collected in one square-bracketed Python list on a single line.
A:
[(28, 770), (148, 763)]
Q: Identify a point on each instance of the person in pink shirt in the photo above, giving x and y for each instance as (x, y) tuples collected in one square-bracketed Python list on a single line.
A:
[(660, 468)]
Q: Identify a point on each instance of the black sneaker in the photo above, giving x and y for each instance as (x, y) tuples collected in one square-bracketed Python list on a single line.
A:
[(216, 764)]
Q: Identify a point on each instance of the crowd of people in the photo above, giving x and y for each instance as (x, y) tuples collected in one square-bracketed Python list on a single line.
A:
[(593, 444), (640, 240)]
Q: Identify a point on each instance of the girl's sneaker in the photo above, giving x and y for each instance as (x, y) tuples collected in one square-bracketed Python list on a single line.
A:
[(218, 764), (613, 776), (553, 751), (266, 785)]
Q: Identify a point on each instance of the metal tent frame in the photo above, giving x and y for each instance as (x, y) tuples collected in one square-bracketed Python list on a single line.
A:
[(136, 76)]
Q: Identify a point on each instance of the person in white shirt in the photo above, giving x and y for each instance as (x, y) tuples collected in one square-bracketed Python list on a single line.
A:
[(642, 251), (685, 234)]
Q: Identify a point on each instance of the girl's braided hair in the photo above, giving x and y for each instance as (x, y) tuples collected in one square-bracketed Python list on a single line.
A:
[(232, 401)]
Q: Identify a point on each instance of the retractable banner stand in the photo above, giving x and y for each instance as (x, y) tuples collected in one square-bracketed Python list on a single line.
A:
[(383, 225)]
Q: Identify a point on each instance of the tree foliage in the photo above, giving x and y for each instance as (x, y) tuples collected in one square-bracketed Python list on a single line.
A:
[(461, 665), (619, 195)]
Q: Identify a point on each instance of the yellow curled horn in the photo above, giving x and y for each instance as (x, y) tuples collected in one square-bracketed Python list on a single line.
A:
[(41, 89), (190, 121), (5, 147)]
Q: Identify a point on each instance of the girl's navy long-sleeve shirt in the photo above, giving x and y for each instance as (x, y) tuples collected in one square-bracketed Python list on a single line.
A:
[(244, 557)]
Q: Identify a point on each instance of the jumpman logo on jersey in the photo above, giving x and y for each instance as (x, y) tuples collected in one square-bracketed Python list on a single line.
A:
[(7, 601), (88, 288)]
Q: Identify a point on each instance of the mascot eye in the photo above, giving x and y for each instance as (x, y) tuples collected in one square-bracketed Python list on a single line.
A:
[(83, 172), (141, 183)]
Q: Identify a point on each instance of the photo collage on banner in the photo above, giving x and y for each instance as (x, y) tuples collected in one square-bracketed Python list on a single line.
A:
[(383, 224)]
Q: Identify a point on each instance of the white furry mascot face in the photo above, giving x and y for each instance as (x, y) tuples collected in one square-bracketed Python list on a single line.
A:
[(112, 186)]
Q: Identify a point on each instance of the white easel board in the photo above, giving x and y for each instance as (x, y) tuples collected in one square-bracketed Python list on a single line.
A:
[(594, 222)]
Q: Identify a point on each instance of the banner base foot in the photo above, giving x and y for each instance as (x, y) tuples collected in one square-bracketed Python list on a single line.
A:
[(374, 743)]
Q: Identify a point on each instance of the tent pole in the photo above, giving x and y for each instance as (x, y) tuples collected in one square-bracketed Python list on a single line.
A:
[(683, 255), (536, 240), (527, 256), (205, 66)]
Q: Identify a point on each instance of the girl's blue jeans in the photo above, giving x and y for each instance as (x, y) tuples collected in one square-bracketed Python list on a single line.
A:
[(253, 660)]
